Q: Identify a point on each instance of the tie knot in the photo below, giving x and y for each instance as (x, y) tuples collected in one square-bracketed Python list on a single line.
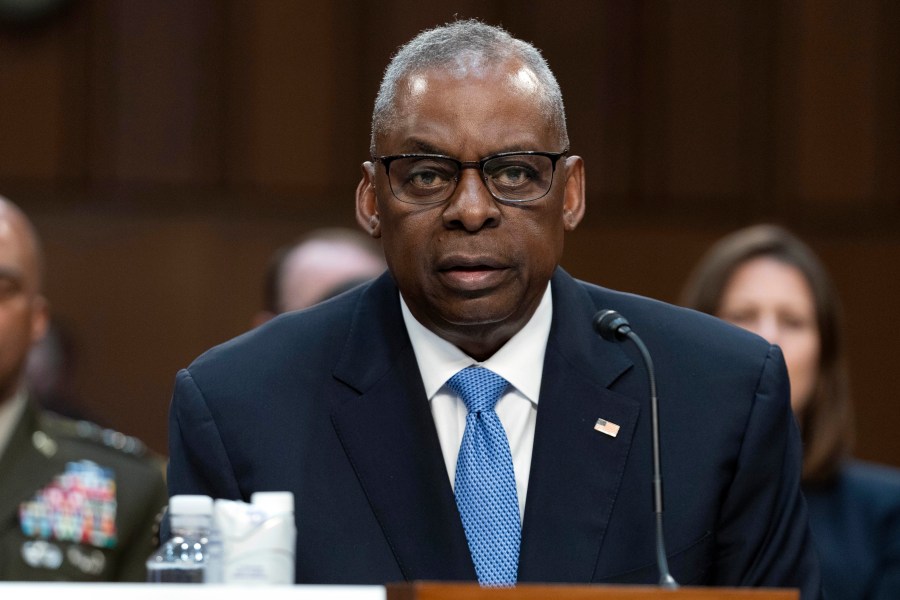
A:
[(479, 388)]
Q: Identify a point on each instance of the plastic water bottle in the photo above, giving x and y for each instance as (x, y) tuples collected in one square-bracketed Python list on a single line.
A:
[(183, 557)]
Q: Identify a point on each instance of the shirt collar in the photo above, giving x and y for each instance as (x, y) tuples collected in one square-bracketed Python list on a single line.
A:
[(520, 361), (10, 412)]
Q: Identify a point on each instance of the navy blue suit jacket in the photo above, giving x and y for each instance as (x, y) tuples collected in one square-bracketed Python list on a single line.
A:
[(855, 522), (328, 403)]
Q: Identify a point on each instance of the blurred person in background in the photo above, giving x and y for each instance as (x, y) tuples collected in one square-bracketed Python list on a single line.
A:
[(50, 373), (766, 280), (77, 502), (322, 264)]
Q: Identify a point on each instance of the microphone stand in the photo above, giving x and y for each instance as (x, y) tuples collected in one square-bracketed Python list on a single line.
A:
[(665, 578), (613, 327)]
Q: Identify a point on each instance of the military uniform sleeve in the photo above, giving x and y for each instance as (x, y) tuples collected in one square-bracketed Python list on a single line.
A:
[(763, 538), (149, 498), (198, 461)]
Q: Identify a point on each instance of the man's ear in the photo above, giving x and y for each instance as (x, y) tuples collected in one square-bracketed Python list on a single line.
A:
[(366, 203), (573, 203), (40, 318)]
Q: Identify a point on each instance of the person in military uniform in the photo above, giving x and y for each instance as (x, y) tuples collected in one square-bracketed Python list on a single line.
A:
[(77, 502)]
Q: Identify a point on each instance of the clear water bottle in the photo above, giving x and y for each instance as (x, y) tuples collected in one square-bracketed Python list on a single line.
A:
[(183, 557)]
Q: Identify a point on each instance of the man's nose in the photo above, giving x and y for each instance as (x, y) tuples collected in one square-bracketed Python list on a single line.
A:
[(471, 207)]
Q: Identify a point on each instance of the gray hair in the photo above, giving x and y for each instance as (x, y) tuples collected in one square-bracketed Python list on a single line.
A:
[(466, 45)]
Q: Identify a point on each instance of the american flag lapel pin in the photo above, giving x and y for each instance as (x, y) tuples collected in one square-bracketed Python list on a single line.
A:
[(604, 426)]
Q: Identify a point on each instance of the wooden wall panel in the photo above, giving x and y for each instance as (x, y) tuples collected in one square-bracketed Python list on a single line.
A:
[(704, 118), (887, 98), (836, 93), (282, 86), (32, 76), (601, 89), (867, 275), (155, 111)]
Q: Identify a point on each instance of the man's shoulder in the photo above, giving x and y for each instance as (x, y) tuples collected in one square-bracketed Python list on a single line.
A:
[(69, 439), (303, 345), (658, 319), (286, 336)]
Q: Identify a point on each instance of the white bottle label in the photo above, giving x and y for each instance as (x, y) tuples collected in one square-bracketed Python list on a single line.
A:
[(257, 548)]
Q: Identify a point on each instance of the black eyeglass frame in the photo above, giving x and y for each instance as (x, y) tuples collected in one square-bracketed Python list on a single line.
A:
[(472, 164)]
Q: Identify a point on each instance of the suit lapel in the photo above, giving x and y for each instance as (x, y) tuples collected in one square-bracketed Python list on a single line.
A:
[(389, 436), (575, 470)]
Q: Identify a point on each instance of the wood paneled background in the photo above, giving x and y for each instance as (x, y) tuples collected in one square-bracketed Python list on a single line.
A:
[(165, 149)]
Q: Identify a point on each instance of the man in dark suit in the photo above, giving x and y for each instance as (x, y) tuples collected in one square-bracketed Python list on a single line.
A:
[(372, 407), (77, 502)]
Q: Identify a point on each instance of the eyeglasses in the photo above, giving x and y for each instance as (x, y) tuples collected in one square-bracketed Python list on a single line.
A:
[(508, 176)]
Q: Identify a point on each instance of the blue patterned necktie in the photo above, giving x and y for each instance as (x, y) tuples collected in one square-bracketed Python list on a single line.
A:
[(485, 481)]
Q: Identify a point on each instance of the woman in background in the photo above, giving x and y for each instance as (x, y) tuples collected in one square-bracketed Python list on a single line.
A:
[(765, 279)]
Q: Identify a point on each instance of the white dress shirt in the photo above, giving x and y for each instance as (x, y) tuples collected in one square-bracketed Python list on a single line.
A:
[(520, 361), (10, 412)]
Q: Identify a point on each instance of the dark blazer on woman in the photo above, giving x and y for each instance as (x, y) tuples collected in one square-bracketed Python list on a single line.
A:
[(855, 522)]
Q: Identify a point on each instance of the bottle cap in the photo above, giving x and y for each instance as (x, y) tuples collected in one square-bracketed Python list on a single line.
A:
[(186, 504), (273, 503)]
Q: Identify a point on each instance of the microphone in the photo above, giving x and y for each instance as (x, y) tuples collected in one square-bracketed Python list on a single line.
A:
[(613, 327)]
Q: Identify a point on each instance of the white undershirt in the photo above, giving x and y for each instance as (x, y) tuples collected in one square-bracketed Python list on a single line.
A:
[(520, 361), (10, 412)]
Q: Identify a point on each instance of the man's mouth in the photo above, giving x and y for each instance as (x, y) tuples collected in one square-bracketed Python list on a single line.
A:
[(470, 274), (471, 268)]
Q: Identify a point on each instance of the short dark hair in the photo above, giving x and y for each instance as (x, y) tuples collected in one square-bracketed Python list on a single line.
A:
[(827, 420), (455, 45)]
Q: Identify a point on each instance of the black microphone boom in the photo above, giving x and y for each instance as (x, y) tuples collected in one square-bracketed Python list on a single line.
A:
[(613, 327)]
